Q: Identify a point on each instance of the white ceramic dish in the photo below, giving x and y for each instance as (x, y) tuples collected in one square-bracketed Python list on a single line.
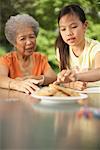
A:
[(63, 99), (91, 90)]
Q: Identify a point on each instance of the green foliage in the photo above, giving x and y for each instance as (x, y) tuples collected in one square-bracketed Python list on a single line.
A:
[(45, 44), (2, 51), (93, 31)]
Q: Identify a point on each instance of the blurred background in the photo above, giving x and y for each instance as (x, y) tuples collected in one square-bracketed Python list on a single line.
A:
[(46, 12)]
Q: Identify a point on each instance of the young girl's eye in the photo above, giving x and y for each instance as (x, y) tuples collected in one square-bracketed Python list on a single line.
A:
[(62, 29)]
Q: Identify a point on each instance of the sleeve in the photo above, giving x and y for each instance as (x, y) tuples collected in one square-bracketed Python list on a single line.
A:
[(95, 49), (45, 64), (5, 61)]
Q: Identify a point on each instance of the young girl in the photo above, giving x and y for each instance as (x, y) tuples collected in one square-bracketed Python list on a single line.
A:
[(73, 50)]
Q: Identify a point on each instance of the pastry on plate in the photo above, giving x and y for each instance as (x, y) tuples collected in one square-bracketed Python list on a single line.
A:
[(67, 91), (56, 90), (46, 91)]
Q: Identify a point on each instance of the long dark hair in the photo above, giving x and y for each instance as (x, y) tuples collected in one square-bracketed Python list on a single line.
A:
[(60, 44)]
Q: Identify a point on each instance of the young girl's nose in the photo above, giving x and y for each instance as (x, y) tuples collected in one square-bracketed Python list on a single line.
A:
[(68, 32)]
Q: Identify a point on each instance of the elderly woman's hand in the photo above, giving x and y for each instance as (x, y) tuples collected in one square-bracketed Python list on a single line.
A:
[(38, 80), (28, 86)]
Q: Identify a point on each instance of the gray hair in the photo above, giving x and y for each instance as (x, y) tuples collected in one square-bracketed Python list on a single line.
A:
[(15, 22)]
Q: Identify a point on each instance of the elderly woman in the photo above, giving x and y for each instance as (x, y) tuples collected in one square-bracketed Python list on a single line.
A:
[(24, 69)]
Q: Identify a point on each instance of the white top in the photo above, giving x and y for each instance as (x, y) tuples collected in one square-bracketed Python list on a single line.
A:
[(86, 60)]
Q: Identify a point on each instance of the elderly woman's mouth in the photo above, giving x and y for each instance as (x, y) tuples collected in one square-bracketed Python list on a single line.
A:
[(29, 49)]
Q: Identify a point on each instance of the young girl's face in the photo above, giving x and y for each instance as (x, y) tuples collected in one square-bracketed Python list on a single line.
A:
[(72, 29)]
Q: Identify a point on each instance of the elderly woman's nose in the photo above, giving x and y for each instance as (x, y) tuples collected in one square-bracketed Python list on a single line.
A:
[(28, 41)]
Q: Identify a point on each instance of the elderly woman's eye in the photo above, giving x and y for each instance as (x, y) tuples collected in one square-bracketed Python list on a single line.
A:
[(32, 36), (74, 26), (21, 39)]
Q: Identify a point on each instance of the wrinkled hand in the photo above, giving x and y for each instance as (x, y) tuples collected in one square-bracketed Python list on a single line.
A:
[(28, 86), (38, 80), (65, 76)]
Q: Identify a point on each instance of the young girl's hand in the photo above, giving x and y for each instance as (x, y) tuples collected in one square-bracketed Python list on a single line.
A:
[(77, 85), (65, 76)]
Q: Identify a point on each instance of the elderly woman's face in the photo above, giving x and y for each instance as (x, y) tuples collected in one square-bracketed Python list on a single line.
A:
[(25, 41)]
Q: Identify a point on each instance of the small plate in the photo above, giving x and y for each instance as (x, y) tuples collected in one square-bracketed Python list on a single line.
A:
[(63, 99), (91, 90)]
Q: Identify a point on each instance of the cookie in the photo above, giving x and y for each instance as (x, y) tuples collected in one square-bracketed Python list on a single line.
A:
[(67, 91), (46, 91)]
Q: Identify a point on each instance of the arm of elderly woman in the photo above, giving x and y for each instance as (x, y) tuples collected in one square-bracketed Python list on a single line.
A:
[(26, 86), (38, 80), (48, 77)]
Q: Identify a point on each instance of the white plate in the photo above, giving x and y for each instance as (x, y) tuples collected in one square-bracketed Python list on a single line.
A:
[(63, 99), (91, 90)]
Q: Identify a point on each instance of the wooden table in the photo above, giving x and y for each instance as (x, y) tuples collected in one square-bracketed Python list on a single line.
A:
[(26, 124)]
